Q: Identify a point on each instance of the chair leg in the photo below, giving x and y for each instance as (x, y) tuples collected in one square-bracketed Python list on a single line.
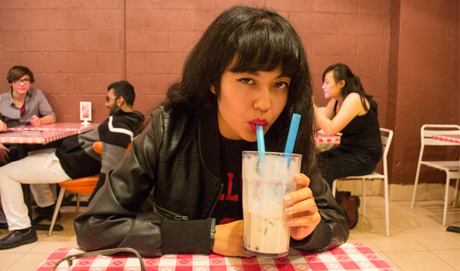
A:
[(334, 187), (364, 197), (446, 198), (415, 185), (78, 202), (387, 212), (455, 194), (56, 210)]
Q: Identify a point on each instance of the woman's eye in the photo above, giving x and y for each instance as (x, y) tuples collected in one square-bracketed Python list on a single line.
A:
[(246, 81), (282, 85)]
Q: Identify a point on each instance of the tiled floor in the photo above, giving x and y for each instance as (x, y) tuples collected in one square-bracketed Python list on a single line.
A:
[(417, 239)]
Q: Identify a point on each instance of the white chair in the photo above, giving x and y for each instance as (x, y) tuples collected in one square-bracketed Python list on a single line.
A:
[(450, 167), (387, 136)]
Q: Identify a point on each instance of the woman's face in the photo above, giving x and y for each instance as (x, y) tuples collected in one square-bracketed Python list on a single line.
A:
[(247, 99), (332, 89), (22, 85)]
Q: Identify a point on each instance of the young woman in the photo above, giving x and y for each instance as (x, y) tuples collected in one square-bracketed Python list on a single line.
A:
[(353, 113), (248, 68), (23, 104)]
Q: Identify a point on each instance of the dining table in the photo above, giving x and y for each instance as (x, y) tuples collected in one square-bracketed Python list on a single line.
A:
[(456, 139), (325, 142), (448, 137), (349, 256), (41, 135)]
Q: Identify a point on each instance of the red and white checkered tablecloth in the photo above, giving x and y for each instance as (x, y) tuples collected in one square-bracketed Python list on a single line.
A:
[(451, 138), (35, 136), (73, 126), (43, 134), (327, 139), (321, 137), (346, 257)]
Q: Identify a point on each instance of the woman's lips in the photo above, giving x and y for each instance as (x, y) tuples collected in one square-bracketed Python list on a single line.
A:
[(255, 122)]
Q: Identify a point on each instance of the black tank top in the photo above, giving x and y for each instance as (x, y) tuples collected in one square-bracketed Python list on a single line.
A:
[(362, 135)]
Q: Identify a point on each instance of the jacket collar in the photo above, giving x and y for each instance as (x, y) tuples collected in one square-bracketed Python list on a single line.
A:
[(28, 95)]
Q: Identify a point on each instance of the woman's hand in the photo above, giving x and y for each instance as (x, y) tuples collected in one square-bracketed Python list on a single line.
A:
[(302, 207), (4, 157), (228, 240)]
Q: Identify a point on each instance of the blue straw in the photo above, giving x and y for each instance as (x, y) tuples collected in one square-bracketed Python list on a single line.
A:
[(260, 138), (292, 133)]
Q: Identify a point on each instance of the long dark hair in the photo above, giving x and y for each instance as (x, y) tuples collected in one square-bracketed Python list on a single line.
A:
[(352, 84), (261, 40)]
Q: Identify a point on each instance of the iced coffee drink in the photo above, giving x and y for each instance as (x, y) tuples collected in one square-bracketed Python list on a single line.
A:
[(267, 179)]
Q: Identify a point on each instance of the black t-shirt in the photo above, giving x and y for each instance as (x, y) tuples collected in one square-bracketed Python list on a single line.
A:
[(229, 207), (362, 135)]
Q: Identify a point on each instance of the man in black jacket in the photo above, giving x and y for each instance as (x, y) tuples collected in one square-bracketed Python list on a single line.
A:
[(74, 158)]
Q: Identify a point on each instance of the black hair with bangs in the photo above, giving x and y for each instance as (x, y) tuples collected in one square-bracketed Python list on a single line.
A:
[(253, 39)]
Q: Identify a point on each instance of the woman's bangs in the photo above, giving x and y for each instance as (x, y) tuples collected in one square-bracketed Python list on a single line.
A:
[(266, 51)]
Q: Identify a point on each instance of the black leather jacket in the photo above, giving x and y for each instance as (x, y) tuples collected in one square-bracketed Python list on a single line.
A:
[(175, 161)]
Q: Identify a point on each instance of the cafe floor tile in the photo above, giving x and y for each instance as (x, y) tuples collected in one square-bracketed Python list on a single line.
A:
[(450, 256), (418, 260), (417, 239)]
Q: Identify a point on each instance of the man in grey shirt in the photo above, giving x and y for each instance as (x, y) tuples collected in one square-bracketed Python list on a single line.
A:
[(22, 105)]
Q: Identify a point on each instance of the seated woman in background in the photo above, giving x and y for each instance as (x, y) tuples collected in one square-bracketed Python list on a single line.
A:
[(248, 68), (353, 113), (19, 106)]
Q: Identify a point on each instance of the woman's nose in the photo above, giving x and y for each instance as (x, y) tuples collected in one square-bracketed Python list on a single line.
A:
[(263, 100)]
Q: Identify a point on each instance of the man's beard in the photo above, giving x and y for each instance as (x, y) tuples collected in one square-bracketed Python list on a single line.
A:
[(113, 109)]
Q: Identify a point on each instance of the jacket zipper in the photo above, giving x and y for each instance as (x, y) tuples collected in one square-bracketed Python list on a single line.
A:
[(168, 213), (216, 200), (180, 217)]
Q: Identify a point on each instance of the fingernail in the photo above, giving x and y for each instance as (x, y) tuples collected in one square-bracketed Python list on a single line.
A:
[(288, 210), (288, 199)]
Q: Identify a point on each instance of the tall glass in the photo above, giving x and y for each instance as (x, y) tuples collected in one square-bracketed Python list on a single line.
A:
[(267, 178)]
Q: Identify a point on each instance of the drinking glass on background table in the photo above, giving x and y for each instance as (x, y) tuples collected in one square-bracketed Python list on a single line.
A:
[(267, 178)]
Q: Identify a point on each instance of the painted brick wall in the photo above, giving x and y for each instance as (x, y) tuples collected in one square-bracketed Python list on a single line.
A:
[(77, 48), (424, 86)]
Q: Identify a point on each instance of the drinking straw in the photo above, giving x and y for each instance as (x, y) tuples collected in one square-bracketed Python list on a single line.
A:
[(292, 134), (260, 138)]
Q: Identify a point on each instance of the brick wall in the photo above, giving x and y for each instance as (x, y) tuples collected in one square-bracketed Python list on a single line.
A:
[(76, 48)]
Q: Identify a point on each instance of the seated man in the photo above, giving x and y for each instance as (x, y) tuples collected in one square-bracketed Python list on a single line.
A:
[(22, 104), (74, 158)]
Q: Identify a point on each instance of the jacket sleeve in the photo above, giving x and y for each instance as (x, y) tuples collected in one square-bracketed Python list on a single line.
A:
[(113, 218), (333, 230)]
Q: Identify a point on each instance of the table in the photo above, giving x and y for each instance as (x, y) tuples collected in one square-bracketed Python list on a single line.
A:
[(323, 138), (324, 142), (451, 138), (346, 257), (41, 135), (456, 139)]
